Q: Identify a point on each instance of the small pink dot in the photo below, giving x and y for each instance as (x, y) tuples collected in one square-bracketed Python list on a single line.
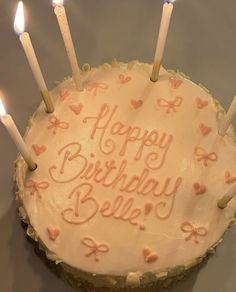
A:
[(142, 227)]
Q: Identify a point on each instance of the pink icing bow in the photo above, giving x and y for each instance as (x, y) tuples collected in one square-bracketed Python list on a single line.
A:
[(170, 105), (56, 123), (36, 186), (187, 227), (93, 86), (202, 155), (94, 247)]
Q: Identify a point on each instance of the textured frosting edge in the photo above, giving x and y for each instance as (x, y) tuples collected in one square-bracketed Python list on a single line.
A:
[(78, 278), (133, 278)]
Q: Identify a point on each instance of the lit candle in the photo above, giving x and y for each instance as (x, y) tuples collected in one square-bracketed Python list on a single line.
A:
[(164, 27), (19, 26), (223, 202), (227, 119), (66, 35), (16, 137)]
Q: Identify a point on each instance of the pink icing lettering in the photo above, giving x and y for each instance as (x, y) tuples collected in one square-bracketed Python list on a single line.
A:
[(85, 207), (108, 174), (162, 205), (121, 210), (155, 160), (70, 157), (125, 184), (109, 144), (67, 154), (103, 127)]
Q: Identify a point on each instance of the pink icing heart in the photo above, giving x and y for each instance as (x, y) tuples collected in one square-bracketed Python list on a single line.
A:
[(64, 94), (229, 179), (39, 149), (146, 252), (204, 129), (53, 233), (136, 103), (199, 188), (76, 108), (201, 103), (175, 83), (149, 256), (124, 79)]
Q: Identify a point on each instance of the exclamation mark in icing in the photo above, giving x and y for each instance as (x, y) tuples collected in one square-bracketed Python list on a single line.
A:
[(147, 210)]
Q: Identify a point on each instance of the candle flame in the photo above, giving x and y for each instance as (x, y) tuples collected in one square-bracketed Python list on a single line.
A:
[(57, 2), (169, 1), (2, 108), (19, 23)]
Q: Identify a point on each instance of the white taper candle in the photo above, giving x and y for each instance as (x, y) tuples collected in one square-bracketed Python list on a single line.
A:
[(19, 26), (161, 41), (66, 35), (32, 59), (223, 202), (16, 137), (227, 119)]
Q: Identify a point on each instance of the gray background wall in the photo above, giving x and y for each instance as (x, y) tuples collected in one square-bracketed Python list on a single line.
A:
[(201, 44)]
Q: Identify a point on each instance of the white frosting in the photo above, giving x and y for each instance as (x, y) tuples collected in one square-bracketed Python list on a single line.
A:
[(154, 244)]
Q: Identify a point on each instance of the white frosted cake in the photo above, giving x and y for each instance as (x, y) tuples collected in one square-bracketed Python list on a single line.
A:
[(128, 178)]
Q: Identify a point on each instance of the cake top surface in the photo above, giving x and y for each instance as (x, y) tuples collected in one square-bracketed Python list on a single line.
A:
[(129, 172)]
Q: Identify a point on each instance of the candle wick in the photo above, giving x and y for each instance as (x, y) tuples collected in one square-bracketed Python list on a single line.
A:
[(33, 168)]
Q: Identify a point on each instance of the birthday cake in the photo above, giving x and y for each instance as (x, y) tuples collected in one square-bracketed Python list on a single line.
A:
[(129, 173)]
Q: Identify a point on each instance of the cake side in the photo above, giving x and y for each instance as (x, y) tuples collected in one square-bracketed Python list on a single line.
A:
[(143, 133), (130, 282)]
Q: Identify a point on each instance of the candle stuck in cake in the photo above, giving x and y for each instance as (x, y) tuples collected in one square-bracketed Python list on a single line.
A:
[(19, 26), (67, 38), (161, 41), (228, 118), (10, 126)]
